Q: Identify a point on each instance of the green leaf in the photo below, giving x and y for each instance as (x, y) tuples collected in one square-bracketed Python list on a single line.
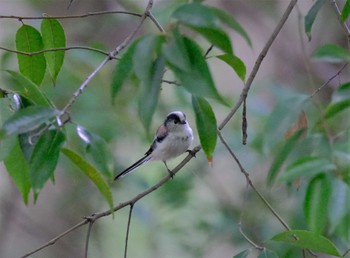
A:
[(331, 53), (90, 172), (28, 39), (198, 80), (146, 52), (236, 63), (45, 157), (242, 254), (282, 156), (346, 11), (17, 167), (206, 125), (175, 53), (232, 23), (97, 152), (6, 145), (308, 240), (316, 203), (149, 94), (26, 88), (266, 253), (311, 16), (123, 69), (27, 119), (209, 21), (335, 108), (307, 166), (53, 37)]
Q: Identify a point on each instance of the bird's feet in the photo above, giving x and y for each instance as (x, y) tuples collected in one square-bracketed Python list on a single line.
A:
[(192, 153)]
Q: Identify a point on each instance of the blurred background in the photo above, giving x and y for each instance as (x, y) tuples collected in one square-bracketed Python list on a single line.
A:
[(199, 212)]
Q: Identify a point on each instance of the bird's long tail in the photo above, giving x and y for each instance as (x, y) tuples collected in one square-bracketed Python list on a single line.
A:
[(133, 166)]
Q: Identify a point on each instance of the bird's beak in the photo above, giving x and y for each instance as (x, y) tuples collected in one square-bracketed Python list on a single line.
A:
[(183, 122)]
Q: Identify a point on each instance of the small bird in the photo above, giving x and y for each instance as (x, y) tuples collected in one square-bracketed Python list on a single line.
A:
[(172, 138)]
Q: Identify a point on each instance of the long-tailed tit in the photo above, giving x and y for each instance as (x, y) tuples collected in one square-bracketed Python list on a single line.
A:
[(172, 139)]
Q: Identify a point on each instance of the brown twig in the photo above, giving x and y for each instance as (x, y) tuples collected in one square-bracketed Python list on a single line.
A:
[(88, 238), (128, 230), (60, 17), (55, 49)]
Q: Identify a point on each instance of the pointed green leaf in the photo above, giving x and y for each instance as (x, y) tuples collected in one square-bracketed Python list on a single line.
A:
[(26, 88), (206, 125), (346, 11), (307, 166), (53, 37), (17, 167), (6, 144), (282, 156), (266, 253), (90, 172), (28, 39), (230, 21), (311, 16), (27, 119), (123, 69), (316, 203), (175, 52), (149, 94), (242, 254), (335, 108), (45, 157), (331, 53), (97, 152), (236, 63), (308, 240), (145, 54), (198, 81)]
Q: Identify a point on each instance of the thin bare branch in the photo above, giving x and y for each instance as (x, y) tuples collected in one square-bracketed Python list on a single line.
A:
[(155, 21), (250, 183), (53, 241), (88, 238), (128, 230), (258, 62), (45, 16), (343, 24), (55, 49), (96, 216), (328, 81)]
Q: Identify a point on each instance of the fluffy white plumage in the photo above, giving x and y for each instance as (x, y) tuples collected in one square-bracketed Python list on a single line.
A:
[(172, 138)]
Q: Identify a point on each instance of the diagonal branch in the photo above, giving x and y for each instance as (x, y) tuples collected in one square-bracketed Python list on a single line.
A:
[(258, 62), (128, 230), (88, 238)]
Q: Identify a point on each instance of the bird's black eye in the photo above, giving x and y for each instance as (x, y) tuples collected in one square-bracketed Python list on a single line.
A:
[(176, 121)]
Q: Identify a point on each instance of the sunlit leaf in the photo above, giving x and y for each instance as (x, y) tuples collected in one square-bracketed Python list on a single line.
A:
[(331, 53), (26, 88), (311, 16), (123, 70), (90, 172), (316, 203), (45, 157), (18, 168), (53, 37), (97, 152), (27, 119), (28, 39), (206, 125), (308, 240), (236, 63)]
